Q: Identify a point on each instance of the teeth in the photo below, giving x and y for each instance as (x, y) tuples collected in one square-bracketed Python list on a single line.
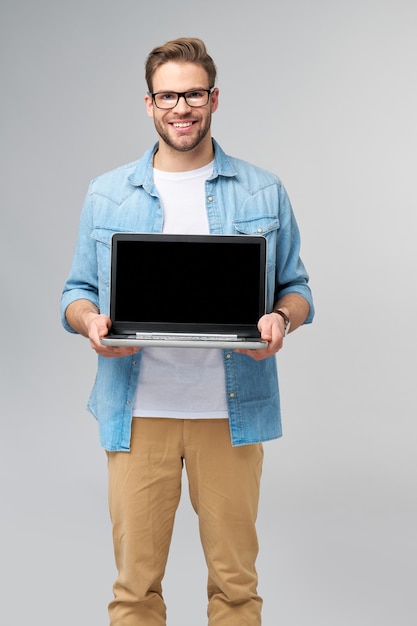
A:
[(182, 125)]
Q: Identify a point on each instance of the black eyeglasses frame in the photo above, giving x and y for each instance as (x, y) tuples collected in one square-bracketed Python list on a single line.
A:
[(181, 94)]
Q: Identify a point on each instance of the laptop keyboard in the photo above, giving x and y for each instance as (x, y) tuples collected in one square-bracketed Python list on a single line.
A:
[(184, 337)]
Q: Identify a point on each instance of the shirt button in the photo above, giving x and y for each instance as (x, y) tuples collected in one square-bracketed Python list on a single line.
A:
[(260, 230), (129, 402), (210, 198), (231, 394), (135, 363), (228, 355)]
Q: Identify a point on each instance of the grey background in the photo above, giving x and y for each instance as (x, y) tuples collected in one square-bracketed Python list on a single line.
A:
[(324, 94)]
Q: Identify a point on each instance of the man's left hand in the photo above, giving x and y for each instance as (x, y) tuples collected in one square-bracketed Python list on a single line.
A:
[(272, 329)]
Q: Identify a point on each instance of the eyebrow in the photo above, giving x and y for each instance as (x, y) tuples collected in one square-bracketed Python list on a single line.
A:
[(185, 90)]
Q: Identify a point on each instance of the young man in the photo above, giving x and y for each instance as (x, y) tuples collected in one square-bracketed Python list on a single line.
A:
[(159, 409)]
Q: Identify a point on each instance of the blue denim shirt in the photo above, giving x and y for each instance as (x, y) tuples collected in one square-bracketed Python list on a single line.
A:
[(240, 199)]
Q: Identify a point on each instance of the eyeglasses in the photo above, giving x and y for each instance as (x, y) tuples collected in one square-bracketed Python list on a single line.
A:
[(169, 99)]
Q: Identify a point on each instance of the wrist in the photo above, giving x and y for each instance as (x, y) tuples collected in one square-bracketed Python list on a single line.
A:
[(287, 321), (87, 316)]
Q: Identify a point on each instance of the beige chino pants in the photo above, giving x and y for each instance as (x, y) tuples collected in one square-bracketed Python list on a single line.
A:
[(144, 492)]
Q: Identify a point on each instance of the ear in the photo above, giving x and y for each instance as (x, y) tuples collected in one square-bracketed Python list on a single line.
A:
[(149, 105), (214, 99)]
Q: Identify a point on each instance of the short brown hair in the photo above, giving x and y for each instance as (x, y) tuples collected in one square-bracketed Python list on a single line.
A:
[(183, 50)]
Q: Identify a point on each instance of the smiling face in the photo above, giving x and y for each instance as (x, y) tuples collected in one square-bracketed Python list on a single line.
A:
[(184, 131)]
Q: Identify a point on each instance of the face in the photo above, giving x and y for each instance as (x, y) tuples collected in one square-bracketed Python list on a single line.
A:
[(182, 128)]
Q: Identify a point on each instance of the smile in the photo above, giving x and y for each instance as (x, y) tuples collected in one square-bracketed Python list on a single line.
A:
[(182, 124)]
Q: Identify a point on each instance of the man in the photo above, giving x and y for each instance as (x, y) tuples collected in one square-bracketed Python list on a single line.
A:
[(159, 409)]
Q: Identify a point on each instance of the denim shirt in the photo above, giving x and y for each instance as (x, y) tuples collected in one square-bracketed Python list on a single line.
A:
[(240, 199)]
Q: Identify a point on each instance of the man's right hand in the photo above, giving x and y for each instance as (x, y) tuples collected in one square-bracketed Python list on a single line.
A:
[(98, 326), (84, 318)]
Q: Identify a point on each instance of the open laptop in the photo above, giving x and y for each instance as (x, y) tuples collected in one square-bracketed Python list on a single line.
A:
[(187, 290)]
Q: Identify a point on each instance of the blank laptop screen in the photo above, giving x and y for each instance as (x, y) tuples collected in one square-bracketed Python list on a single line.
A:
[(197, 280)]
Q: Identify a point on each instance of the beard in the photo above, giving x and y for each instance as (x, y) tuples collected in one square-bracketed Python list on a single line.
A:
[(183, 143)]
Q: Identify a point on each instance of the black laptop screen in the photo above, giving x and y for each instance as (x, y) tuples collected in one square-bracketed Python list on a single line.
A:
[(197, 280)]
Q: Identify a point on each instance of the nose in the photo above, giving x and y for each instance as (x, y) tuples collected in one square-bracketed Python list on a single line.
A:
[(182, 103)]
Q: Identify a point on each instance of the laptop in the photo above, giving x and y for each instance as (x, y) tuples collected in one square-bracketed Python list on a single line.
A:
[(199, 291)]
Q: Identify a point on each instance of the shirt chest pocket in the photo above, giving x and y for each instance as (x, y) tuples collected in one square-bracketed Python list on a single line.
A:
[(257, 226), (266, 226), (102, 238)]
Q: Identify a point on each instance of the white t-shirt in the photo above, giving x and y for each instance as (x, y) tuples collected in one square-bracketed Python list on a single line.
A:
[(182, 382)]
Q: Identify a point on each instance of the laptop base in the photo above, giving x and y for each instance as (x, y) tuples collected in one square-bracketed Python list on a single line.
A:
[(184, 342)]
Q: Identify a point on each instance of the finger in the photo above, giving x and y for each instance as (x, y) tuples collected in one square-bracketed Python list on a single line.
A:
[(258, 355), (118, 352)]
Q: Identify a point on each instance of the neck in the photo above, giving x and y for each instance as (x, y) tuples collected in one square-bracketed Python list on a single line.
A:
[(168, 159)]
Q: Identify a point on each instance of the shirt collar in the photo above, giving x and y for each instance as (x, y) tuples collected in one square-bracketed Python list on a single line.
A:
[(143, 173)]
